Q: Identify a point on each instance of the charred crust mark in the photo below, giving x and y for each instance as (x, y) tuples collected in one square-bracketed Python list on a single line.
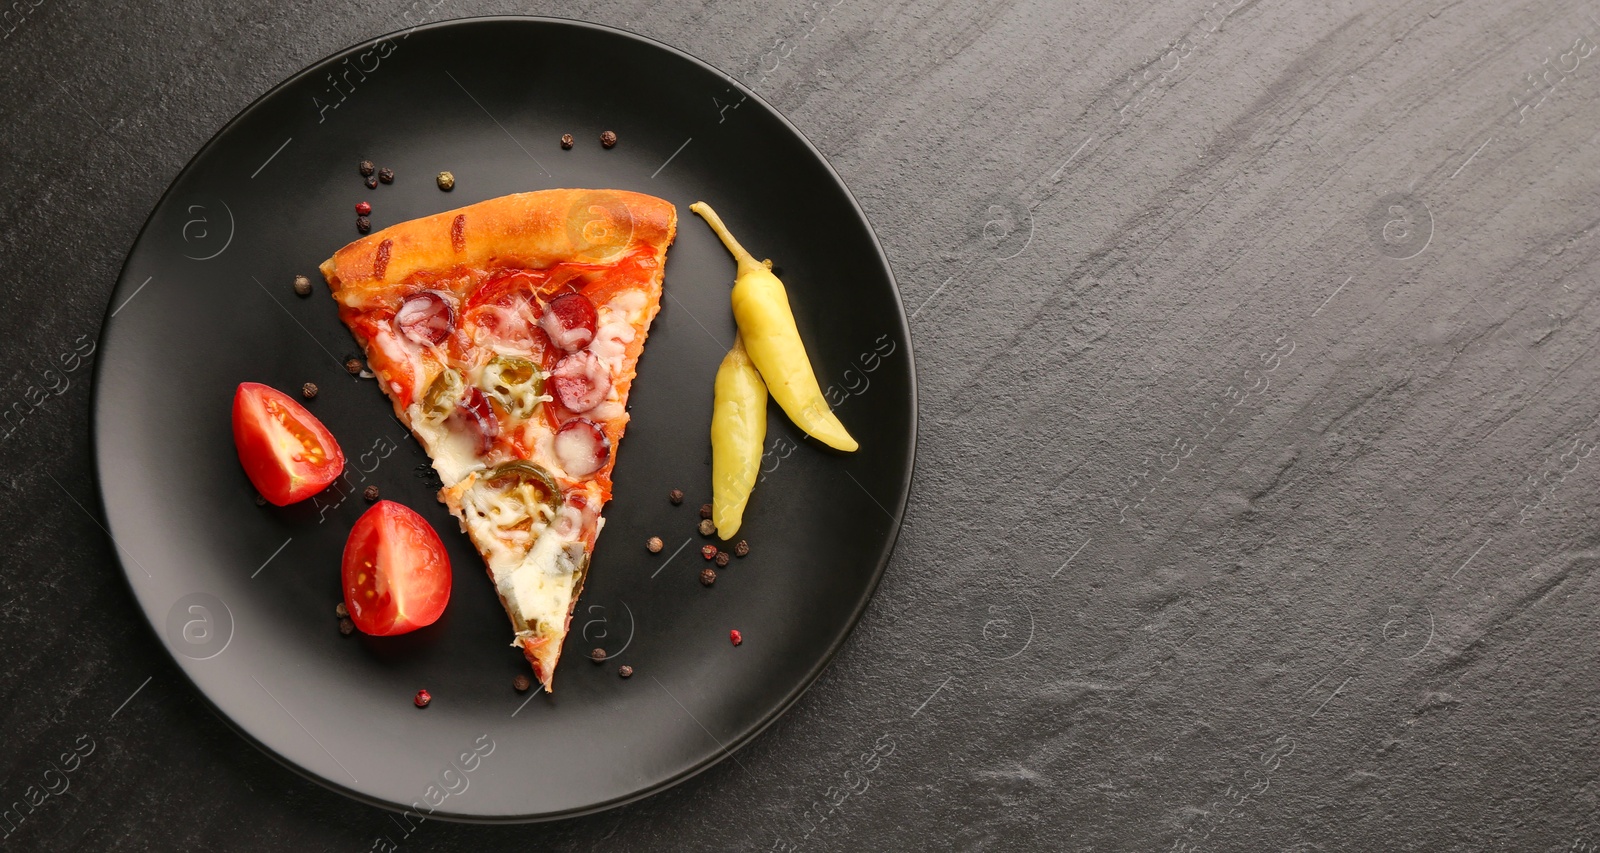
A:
[(380, 263), (458, 233)]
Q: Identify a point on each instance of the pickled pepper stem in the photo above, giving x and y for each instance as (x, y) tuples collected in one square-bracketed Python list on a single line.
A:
[(746, 261)]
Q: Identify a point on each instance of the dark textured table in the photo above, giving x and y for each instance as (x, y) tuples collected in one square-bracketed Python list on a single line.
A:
[(1254, 508)]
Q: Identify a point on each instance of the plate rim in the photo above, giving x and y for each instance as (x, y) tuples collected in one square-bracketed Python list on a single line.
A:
[(97, 418)]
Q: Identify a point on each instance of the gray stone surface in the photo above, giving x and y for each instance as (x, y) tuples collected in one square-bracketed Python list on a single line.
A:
[(1255, 507)]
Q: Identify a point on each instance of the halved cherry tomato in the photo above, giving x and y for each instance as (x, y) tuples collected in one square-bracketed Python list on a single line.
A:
[(395, 570), (287, 453)]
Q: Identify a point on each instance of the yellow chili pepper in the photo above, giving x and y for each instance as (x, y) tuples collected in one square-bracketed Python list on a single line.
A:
[(738, 428), (761, 308)]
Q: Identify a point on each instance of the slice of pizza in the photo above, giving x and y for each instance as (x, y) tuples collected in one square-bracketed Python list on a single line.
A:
[(506, 334)]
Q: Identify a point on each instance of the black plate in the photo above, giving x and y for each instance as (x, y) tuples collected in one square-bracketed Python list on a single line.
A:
[(243, 595)]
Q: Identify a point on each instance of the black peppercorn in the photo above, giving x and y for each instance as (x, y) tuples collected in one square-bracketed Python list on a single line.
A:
[(598, 656), (676, 496), (367, 168), (363, 224), (625, 671), (386, 175), (370, 493), (566, 140), (309, 390), (522, 683), (708, 576), (705, 510), (346, 627), (741, 549), (608, 139)]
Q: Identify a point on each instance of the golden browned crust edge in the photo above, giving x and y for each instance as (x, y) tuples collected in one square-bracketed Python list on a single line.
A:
[(531, 230)]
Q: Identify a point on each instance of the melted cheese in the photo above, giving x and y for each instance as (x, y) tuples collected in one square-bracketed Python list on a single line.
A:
[(453, 452)]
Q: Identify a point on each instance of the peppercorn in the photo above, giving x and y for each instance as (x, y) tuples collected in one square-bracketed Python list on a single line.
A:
[(709, 552), (522, 683), (363, 224), (735, 636), (723, 559), (566, 140), (654, 544), (372, 183), (708, 576), (367, 168), (598, 656), (386, 175), (446, 181), (705, 510), (676, 496), (260, 501), (340, 610), (741, 549), (363, 208), (608, 139), (370, 493), (309, 390), (707, 527), (346, 627), (423, 698), (352, 366), (302, 286), (625, 671)]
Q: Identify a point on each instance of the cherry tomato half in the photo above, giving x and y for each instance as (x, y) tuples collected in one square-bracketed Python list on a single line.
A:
[(287, 453), (395, 570)]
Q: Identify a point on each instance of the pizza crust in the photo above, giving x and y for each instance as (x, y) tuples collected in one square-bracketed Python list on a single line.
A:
[(532, 230)]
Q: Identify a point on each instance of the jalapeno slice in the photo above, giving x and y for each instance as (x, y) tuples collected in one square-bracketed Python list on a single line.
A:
[(442, 396), (516, 383)]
